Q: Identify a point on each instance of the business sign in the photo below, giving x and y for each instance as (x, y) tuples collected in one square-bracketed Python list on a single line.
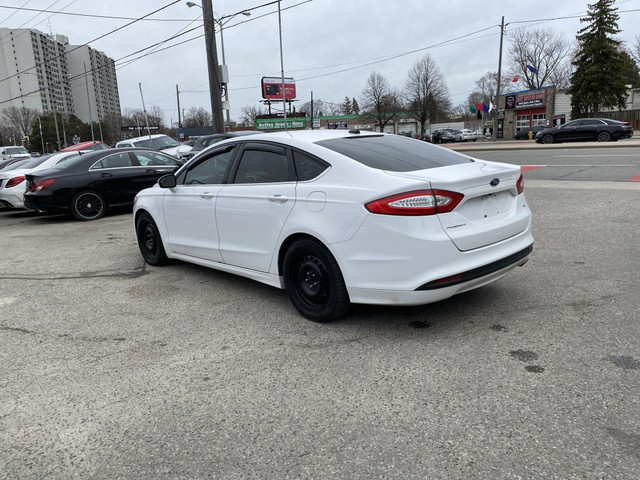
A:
[(316, 123), (341, 125), (510, 102), (530, 100), (272, 88), (132, 128), (278, 123)]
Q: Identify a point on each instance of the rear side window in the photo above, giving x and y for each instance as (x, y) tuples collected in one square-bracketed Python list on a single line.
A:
[(394, 153), (307, 168), (263, 166)]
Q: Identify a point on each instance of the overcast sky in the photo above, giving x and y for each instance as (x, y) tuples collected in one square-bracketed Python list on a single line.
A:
[(321, 39)]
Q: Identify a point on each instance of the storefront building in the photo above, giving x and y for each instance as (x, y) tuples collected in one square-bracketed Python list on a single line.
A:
[(520, 110)]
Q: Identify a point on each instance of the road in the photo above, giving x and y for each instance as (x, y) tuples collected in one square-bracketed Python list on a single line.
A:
[(110, 368), (573, 164)]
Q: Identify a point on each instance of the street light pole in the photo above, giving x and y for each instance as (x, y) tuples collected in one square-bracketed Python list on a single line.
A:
[(220, 21), (212, 66)]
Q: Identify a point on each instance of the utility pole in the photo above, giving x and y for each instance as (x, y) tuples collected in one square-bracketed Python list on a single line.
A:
[(284, 96), (495, 122), (178, 96), (146, 118), (86, 82), (212, 65), (311, 109)]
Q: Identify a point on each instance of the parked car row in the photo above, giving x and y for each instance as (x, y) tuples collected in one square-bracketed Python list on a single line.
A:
[(333, 217)]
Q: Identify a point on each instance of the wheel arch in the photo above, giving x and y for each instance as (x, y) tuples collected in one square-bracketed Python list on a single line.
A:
[(290, 240)]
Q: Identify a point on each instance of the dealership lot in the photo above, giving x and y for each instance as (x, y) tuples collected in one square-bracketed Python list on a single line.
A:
[(112, 368)]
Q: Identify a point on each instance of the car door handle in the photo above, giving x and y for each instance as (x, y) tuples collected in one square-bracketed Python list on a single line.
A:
[(207, 195), (150, 170), (278, 198), (106, 174)]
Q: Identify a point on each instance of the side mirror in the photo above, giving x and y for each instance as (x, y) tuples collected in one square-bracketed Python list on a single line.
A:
[(167, 181)]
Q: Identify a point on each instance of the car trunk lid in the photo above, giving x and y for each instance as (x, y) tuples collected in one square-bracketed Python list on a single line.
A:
[(491, 210)]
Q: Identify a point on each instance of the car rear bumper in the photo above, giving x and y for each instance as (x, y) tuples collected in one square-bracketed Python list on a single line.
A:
[(423, 297), (43, 203), (395, 259), (11, 200)]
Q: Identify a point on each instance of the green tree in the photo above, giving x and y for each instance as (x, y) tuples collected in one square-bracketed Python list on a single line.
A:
[(598, 80), (631, 73), (355, 108), (347, 107)]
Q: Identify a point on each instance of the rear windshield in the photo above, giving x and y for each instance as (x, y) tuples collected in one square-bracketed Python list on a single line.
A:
[(394, 153), (35, 161)]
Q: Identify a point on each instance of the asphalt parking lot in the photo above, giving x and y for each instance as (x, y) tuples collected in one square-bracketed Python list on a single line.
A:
[(114, 369)]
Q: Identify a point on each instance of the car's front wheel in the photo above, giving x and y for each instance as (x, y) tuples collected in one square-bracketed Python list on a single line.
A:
[(548, 138), (88, 205), (149, 241), (314, 282), (604, 137)]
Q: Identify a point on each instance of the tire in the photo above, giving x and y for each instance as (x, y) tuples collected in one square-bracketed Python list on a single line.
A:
[(548, 138), (88, 205), (604, 137), (314, 282), (149, 241)]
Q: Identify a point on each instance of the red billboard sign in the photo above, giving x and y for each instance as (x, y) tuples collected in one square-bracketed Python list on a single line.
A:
[(272, 88)]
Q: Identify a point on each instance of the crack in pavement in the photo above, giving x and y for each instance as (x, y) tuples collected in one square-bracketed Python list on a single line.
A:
[(133, 274)]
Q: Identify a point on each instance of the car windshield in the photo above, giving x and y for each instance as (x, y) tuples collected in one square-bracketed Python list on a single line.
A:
[(16, 150), (159, 143), (15, 165), (394, 153), (34, 162)]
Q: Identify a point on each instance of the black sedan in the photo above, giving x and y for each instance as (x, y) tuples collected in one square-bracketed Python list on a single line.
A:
[(586, 130), (442, 136), (90, 184), (208, 140)]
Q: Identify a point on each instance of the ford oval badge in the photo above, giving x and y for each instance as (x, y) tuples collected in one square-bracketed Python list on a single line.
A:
[(495, 182)]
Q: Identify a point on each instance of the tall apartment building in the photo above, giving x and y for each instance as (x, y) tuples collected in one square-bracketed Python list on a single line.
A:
[(102, 81), (46, 73)]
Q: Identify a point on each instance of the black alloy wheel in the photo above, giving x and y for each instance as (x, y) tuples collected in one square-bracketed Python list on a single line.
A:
[(604, 137), (88, 205), (149, 241), (314, 282), (548, 138)]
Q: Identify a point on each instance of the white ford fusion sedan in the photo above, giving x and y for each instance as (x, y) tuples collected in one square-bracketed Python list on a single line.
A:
[(340, 217)]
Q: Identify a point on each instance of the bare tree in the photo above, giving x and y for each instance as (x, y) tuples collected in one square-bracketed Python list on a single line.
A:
[(425, 90), (543, 49), (379, 101), (197, 117), (635, 50), (136, 117), (19, 120), (321, 108), (249, 114)]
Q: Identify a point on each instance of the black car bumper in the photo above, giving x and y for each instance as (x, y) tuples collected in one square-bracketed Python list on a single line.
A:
[(43, 203)]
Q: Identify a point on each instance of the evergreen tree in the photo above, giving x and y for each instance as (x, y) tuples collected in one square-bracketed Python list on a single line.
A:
[(346, 107), (598, 80), (355, 108)]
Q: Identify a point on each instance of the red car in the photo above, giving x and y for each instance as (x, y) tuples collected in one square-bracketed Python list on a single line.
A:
[(97, 145)]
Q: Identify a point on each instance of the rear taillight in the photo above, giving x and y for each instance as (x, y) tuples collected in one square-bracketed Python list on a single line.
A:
[(41, 185), (418, 202), (520, 185), (14, 181)]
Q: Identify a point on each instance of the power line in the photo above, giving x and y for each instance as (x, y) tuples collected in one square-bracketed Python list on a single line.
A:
[(89, 15), (90, 41)]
